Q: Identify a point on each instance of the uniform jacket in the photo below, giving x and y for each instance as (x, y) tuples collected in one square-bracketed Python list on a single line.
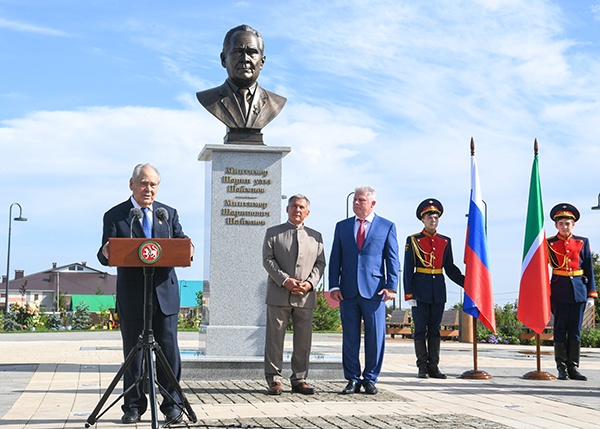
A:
[(424, 250), (130, 281), (292, 252), (368, 271), (223, 104), (572, 254)]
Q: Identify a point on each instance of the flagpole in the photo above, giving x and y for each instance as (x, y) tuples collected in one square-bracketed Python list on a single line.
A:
[(475, 373), (538, 374)]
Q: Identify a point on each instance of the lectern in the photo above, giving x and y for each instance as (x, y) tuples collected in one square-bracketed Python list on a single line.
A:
[(147, 253)]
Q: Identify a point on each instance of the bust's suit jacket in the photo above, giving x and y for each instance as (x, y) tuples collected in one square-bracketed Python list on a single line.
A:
[(130, 281), (292, 252), (223, 104), (368, 271)]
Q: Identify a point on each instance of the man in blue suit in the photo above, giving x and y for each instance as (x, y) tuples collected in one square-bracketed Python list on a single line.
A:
[(130, 291), (363, 274)]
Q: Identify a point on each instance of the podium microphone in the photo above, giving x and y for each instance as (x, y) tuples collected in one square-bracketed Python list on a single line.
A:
[(163, 216), (135, 214)]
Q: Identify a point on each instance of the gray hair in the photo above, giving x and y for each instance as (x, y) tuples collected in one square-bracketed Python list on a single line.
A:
[(243, 27), (298, 197), (369, 190), (137, 171)]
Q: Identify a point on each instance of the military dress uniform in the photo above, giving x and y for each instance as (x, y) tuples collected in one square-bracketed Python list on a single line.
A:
[(425, 259), (571, 285)]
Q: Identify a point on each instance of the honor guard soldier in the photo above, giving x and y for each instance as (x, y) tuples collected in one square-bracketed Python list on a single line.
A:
[(572, 288), (427, 254)]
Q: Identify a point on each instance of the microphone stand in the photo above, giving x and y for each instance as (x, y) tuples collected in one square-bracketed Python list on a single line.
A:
[(149, 348)]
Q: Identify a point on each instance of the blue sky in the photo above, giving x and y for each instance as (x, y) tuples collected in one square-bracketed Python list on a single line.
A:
[(386, 93)]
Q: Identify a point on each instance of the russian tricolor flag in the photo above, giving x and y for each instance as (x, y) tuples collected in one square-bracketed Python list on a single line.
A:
[(479, 300)]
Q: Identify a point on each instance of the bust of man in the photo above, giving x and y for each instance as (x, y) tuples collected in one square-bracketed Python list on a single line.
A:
[(240, 103)]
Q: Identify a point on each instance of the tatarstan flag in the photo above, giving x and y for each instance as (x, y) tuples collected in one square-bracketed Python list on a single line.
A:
[(534, 292), (478, 297)]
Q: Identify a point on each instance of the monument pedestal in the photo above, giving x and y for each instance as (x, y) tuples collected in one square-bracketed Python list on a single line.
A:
[(243, 199)]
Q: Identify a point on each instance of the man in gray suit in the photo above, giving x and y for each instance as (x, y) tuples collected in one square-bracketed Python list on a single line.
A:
[(242, 105), (294, 259)]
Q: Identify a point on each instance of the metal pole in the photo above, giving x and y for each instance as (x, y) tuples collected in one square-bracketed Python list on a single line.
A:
[(347, 199), (21, 219)]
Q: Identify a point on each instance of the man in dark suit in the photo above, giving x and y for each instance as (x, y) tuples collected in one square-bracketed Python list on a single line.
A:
[(130, 290), (363, 274), (294, 259), (427, 255), (572, 288), (240, 103)]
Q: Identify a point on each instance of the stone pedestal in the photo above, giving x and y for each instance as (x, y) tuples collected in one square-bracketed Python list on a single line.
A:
[(243, 199)]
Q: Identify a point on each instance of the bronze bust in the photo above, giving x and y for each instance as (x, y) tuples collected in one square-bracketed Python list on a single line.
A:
[(240, 103)]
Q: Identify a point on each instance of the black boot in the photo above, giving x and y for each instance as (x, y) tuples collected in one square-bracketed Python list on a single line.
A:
[(421, 352), (560, 356), (433, 347), (573, 361)]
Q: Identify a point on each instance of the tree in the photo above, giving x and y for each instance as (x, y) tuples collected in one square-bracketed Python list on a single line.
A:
[(82, 320), (326, 317)]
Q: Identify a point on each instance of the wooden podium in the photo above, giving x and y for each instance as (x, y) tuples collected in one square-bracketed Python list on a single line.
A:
[(148, 253), (126, 252)]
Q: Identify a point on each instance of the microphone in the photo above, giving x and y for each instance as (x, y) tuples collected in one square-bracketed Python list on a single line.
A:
[(163, 216), (135, 214)]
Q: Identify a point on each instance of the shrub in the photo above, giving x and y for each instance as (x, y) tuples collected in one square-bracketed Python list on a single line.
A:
[(326, 317), (590, 338), (82, 320)]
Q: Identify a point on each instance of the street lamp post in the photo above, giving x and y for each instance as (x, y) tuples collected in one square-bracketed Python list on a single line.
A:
[(20, 218), (598, 206), (348, 204)]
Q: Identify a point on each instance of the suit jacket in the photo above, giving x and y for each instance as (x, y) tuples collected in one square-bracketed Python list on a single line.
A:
[(565, 289), (292, 252), (429, 288), (223, 104), (130, 281), (368, 271)]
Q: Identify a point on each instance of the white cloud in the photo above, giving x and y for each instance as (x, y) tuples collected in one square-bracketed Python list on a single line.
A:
[(25, 27)]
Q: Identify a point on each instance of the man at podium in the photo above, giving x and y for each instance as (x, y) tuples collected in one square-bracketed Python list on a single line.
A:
[(157, 221)]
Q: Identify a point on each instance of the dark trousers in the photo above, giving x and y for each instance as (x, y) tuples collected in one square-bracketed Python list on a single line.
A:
[(165, 334), (567, 321), (427, 318)]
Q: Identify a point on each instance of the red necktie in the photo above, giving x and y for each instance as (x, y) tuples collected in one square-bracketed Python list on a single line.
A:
[(360, 236)]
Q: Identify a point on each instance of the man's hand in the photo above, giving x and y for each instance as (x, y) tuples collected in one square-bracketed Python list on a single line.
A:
[(336, 295), (411, 302), (387, 294), (297, 287), (589, 303), (105, 250)]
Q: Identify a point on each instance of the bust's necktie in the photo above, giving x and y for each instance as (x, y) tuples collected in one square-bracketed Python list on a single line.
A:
[(146, 223), (360, 235), (244, 102)]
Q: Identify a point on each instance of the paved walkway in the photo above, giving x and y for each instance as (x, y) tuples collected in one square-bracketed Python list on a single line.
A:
[(55, 380)]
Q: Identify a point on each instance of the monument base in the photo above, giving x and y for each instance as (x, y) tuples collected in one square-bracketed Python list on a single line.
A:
[(239, 341), (196, 366)]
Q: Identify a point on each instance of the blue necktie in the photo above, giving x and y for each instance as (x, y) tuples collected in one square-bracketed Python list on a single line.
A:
[(146, 223)]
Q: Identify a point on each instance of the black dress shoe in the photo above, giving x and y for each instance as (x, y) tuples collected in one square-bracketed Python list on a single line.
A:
[(131, 416), (351, 387), (303, 388), (370, 388), (173, 416)]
